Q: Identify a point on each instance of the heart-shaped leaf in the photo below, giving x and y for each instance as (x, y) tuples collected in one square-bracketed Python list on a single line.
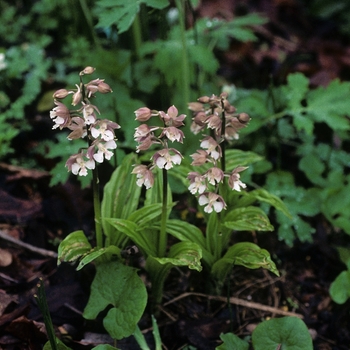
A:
[(117, 285), (287, 333)]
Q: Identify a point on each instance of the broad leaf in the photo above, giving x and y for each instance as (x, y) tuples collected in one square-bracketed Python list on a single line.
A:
[(59, 345), (94, 254), (288, 333), (340, 288), (232, 341), (187, 232), (104, 347), (264, 196), (73, 247), (119, 12), (117, 285), (183, 254), (157, 4), (331, 105), (248, 219), (146, 214), (134, 232), (246, 254), (120, 199), (236, 157)]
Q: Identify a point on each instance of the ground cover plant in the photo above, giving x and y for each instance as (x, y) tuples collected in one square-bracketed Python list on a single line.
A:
[(230, 186)]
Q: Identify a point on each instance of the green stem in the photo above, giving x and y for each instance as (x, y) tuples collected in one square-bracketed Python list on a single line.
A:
[(223, 144), (163, 234), (185, 65), (137, 36), (42, 303), (97, 209), (158, 274), (90, 21)]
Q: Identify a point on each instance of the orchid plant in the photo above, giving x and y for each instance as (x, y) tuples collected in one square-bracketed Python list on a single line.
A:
[(125, 217), (114, 282)]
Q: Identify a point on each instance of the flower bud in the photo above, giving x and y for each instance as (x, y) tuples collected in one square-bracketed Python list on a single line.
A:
[(243, 118), (104, 88), (87, 70), (204, 99), (224, 95), (143, 114), (77, 96), (61, 93)]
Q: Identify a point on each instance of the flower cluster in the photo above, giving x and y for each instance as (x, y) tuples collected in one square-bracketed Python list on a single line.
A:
[(146, 136), (208, 113), (216, 114), (84, 123)]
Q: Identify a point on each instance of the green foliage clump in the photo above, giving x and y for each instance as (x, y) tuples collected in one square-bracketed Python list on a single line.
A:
[(312, 126)]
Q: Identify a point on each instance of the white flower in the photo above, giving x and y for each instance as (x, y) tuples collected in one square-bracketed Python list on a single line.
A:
[(103, 151), (214, 175), (144, 176), (3, 64), (77, 165), (210, 145), (89, 114), (105, 134), (197, 183), (165, 160), (234, 180), (213, 201)]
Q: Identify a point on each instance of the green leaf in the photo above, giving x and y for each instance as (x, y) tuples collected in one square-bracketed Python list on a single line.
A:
[(249, 20), (144, 215), (313, 168), (134, 232), (120, 199), (155, 193), (288, 333), (96, 253), (264, 196), (247, 219), (117, 285), (59, 346), (104, 347), (157, 4), (340, 288), (245, 254), (330, 105), (203, 57), (183, 254), (119, 12), (187, 232), (236, 157), (342, 222), (232, 341), (74, 246), (344, 255), (298, 86)]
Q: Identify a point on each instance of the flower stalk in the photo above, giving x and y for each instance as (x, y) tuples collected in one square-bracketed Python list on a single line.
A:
[(98, 133)]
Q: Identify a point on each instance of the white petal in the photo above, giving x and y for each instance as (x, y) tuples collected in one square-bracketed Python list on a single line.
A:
[(95, 133), (83, 172), (203, 200), (98, 157), (75, 168)]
